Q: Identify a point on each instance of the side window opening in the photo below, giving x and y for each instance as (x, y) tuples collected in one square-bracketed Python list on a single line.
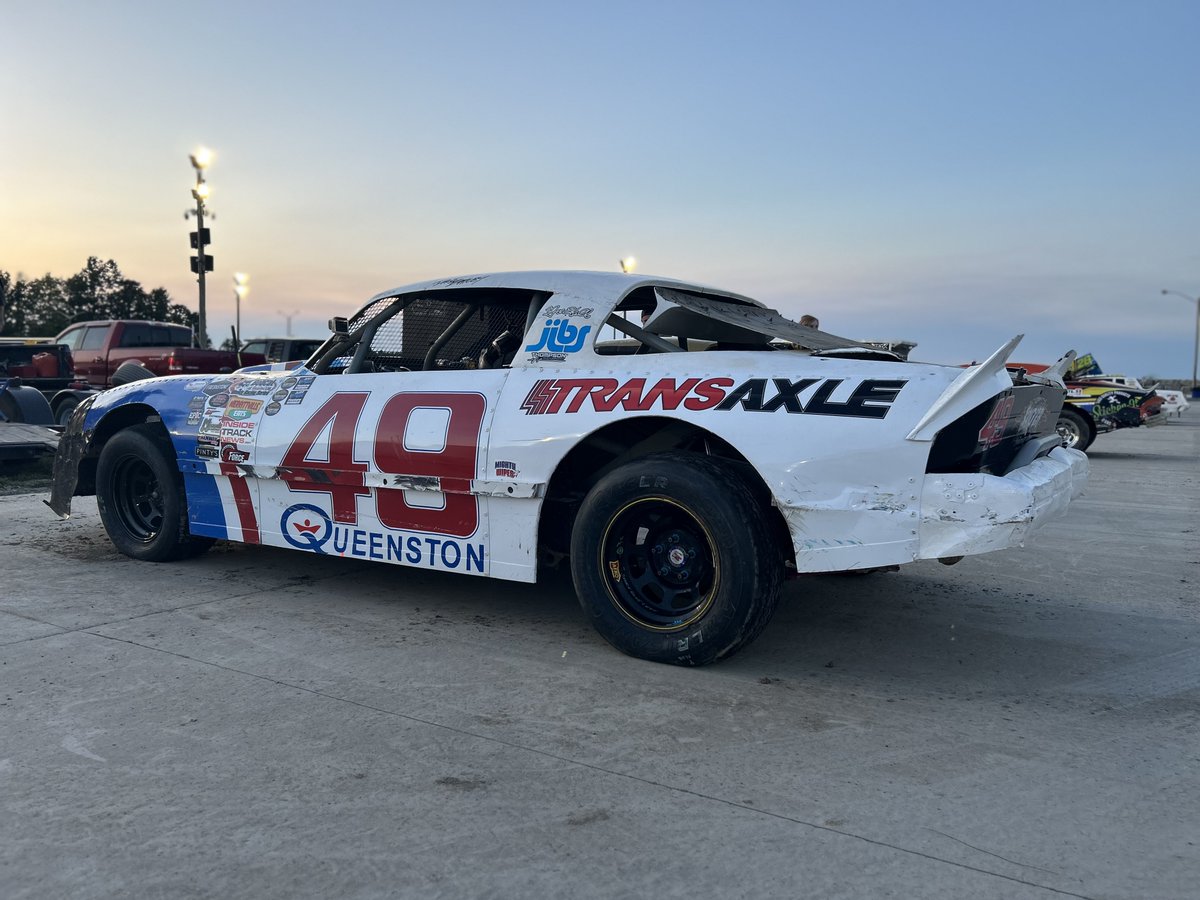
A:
[(94, 338), (467, 329)]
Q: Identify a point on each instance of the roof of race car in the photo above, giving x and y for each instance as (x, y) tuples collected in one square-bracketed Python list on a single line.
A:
[(606, 286)]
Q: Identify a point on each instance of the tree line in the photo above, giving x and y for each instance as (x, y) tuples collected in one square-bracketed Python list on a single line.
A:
[(44, 306)]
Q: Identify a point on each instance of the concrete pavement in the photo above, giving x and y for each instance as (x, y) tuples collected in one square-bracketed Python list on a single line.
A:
[(265, 724)]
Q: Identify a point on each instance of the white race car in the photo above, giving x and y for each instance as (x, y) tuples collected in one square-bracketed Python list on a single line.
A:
[(1175, 403), (494, 423)]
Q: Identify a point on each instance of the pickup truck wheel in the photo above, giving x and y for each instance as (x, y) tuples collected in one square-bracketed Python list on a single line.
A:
[(673, 559), (130, 371), (139, 493), (1074, 429)]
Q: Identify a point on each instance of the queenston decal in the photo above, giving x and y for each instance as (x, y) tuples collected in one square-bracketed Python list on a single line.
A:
[(308, 527), (869, 399)]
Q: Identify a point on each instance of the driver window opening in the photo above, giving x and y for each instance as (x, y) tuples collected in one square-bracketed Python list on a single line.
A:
[(439, 332)]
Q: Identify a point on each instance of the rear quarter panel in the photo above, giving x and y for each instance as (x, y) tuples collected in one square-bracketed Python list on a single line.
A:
[(844, 474)]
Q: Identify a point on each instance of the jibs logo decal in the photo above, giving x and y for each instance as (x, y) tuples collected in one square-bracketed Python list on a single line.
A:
[(559, 337)]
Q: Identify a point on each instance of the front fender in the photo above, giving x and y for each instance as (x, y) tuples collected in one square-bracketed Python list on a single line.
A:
[(73, 445)]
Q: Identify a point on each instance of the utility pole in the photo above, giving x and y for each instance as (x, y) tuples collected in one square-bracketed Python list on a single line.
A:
[(200, 239)]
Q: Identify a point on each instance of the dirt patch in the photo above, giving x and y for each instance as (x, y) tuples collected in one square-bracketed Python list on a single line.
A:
[(83, 547)]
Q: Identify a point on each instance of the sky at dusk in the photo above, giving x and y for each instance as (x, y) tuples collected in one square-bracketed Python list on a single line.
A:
[(951, 173)]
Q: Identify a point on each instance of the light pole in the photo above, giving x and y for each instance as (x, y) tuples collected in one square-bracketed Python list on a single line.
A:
[(202, 262), (241, 287), (288, 317), (1196, 346)]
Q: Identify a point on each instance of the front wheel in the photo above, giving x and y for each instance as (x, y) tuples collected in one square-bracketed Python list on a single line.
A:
[(674, 560), (139, 493)]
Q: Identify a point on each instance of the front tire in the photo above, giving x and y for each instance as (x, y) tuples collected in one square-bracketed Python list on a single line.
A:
[(139, 493), (674, 560)]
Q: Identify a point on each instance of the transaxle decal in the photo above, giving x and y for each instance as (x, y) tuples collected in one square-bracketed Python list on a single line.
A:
[(870, 399)]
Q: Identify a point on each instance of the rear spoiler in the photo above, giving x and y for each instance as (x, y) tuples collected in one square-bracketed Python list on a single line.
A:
[(972, 387)]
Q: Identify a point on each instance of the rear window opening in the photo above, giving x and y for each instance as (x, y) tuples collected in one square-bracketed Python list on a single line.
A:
[(656, 319)]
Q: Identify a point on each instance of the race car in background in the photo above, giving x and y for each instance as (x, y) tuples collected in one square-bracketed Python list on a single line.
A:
[(1175, 403), (1097, 403), (480, 425)]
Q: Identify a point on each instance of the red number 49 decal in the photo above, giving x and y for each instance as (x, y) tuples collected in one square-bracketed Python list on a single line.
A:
[(338, 474)]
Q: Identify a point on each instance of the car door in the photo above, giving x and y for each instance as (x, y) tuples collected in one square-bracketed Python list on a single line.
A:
[(378, 466), (90, 361), (378, 456)]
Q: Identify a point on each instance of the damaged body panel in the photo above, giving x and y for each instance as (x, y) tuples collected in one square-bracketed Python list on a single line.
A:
[(480, 425)]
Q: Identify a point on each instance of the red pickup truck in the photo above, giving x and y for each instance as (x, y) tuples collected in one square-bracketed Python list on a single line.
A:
[(100, 348)]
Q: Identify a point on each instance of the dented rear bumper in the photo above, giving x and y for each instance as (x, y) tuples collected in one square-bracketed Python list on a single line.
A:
[(966, 514)]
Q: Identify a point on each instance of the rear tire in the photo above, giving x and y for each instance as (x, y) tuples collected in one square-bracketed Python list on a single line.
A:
[(1076, 431), (674, 559), (140, 495)]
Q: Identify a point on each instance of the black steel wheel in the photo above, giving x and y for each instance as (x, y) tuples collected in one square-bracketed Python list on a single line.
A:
[(1074, 428), (140, 496), (673, 559), (666, 560)]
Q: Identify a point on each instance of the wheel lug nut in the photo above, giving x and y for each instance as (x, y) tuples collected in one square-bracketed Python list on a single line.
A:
[(684, 574), (664, 571), (658, 548)]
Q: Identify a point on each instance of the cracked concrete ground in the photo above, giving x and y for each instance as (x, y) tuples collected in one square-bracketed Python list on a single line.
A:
[(265, 724)]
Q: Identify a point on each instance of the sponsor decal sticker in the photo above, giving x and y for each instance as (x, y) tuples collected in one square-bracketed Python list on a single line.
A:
[(272, 408), (308, 527), (559, 337), (236, 434), (868, 399), (206, 447), (1031, 422), (570, 312), (992, 431), (218, 399), (233, 454), (506, 469), (242, 405), (255, 387)]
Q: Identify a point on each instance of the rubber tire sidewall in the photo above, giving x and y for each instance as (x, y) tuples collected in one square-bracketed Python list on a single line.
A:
[(62, 415), (129, 372), (713, 492), (173, 541)]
